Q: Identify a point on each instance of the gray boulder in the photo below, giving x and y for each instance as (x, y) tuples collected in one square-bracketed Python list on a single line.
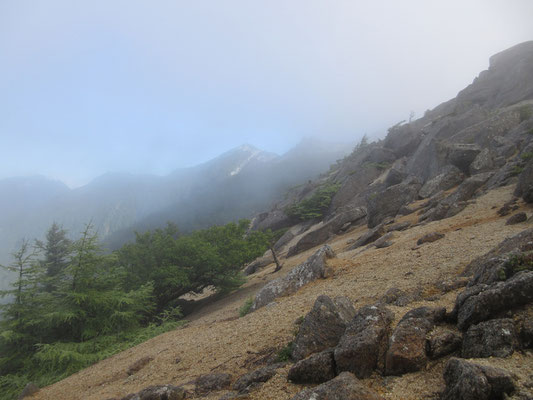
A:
[(483, 162), (369, 236), (524, 187), (259, 263), (430, 237), (362, 348), (496, 337), (344, 387), (313, 268), (450, 177), (442, 342), (468, 381), (254, 378), (486, 268), (387, 203), (461, 155), (159, 392), (323, 326), (322, 233), (212, 382), (516, 291), (317, 368), (407, 345), (517, 218)]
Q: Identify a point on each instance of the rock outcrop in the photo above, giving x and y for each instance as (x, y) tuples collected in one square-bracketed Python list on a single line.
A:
[(323, 326), (314, 268)]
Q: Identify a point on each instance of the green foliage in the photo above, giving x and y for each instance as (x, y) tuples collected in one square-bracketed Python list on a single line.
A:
[(517, 170), (380, 166), (77, 305), (525, 112), (516, 263), (246, 307), (527, 156), (530, 132), (316, 205), (285, 354)]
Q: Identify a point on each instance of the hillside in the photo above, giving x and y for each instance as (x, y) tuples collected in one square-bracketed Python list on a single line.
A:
[(430, 244)]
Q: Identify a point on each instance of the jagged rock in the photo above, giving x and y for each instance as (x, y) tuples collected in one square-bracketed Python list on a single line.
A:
[(449, 177), (456, 201), (517, 218), (482, 163), (524, 187), (314, 268), (443, 342), (258, 263), (500, 296), (508, 207), (485, 269), (396, 297), (429, 238), (395, 176), (462, 155), (317, 368), (344, 387), (368, 237), (30, 389), (261, 375), (497, 337), (323, 326), (407, 345), (462, 297), (387, 203), (364, 343), (400, 226), (160, 392), (138, 365), (212, 382), (469, 381), (320, 234), (384, 241), (273, 220)]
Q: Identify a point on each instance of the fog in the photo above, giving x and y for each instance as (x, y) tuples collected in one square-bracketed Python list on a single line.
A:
[(153, 86)]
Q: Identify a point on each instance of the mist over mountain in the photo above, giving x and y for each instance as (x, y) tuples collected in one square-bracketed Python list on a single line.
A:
[(236, 184)]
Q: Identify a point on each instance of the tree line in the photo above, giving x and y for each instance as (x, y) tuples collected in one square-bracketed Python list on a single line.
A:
[(72, 303)]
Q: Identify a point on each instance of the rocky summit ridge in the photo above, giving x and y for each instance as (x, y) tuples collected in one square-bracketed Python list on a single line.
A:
[(415, 282)]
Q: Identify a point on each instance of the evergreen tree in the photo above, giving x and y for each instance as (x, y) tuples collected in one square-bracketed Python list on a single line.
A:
[(56, 250)]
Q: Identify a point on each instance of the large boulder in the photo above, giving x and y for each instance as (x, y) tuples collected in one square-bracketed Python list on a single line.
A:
[(469, 381), (387, 203), (259, 263), (313, 268), (273, 220), (496, 337), (212, 382), (450, 177), (323, 231), (159, 392), (462, 155), (323, 326), (524, 187), (362, 347), (442, 342), (483, 162), (344, 387), (486, 268), (501, 296), (369, 236), (317, 368), (407, 345), (256, 377)]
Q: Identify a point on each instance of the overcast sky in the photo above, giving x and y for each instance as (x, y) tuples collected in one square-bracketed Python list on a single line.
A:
[(93, 86)]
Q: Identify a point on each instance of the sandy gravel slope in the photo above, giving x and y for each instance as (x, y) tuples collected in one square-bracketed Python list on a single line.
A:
[(216, 340)]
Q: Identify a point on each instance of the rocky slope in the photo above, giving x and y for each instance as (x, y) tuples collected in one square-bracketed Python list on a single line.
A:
[(424, 291)]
